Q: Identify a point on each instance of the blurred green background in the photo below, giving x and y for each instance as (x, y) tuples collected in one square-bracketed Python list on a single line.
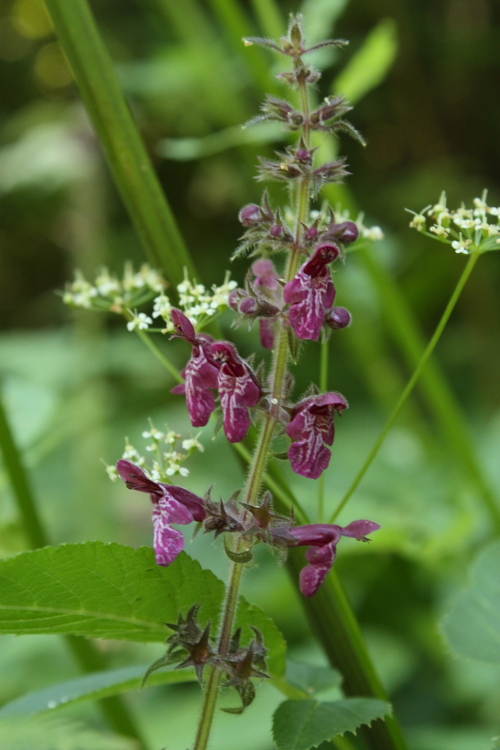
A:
[(424, 76)]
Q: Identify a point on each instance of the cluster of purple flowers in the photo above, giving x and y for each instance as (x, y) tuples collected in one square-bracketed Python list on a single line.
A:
[(295, 305), (176, 505)]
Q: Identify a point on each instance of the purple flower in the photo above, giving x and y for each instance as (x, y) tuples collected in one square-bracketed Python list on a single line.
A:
[(322, 540), (216, 365), (238, 390), (170, 505), (200, 372), (311, 293), (311, 428)]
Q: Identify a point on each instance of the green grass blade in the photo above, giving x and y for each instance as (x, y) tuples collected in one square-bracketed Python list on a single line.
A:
[(129, 162)]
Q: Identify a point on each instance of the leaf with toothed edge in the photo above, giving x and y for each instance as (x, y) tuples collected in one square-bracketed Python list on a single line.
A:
[(110, 591), (300, 725)]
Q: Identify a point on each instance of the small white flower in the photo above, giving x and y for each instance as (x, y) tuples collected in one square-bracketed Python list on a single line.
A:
[(439, 230), (141, 321), (440, 207), (132, 454), (162, 307), (112, 472), (153, 433), (461, 245), (171, 437), (373, 233), (465, 222), (192, 444), (107, 284), (419, 221), (151, 278)]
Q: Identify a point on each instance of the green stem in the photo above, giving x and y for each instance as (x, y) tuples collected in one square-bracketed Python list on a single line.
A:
[(494, 510), (208, 709), (23, 493), (110, 114), (323, 387), (213, 683), (251, 493), (84, 652)]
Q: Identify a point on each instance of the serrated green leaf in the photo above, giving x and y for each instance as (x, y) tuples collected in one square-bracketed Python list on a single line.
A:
[(91, 687), (472, 628), (102, 591), (312, 679), (300, 725), (369, 66), (111, 591)]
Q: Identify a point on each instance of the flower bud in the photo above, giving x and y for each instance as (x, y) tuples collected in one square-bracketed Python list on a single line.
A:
[(338, 318), (248, 306), (250, 215), (304, 155), (349, 232)]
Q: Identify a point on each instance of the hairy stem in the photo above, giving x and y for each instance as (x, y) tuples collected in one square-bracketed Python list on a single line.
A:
[(214, 679), (255, 477), (112, 119)]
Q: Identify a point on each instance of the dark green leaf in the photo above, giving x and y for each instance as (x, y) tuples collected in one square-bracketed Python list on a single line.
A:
[(300, 725), (312, 679), (110, 591)]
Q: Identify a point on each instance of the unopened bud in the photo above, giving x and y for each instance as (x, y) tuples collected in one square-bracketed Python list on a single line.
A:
[(276, 231), (303, 155), (338, 318), (250, 215), (348, 232), (248, 306)]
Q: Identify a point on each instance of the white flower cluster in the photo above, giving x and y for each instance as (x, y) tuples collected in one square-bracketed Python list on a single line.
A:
[(108, 292), (124, 295), (166, 460), (467, 230), (198, 303)]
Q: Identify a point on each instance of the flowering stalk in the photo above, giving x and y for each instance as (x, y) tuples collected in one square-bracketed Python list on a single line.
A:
[(313, 575), (296, 306)]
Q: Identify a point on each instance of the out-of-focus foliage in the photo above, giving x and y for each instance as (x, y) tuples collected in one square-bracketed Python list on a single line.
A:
[(75, 383)]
